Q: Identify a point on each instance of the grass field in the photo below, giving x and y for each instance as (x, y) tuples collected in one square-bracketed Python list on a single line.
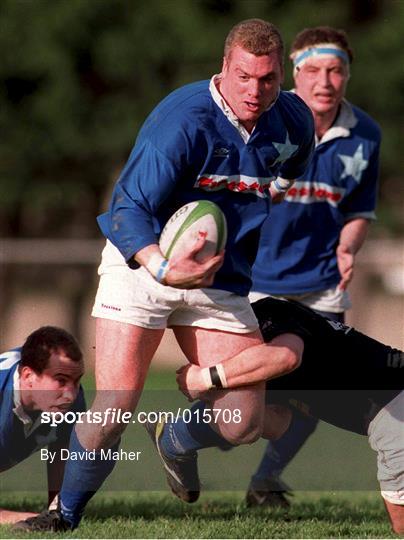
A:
[(334, 477), (223, 515)]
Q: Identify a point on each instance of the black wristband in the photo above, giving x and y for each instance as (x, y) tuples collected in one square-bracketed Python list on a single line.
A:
[(214, 376)]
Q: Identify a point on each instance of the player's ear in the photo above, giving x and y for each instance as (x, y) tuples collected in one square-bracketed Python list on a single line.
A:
[(27, 375), (225, 64)]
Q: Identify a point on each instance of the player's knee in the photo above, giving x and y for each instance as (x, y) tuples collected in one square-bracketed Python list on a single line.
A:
[(112, 432), (243, 432), (98, 436)]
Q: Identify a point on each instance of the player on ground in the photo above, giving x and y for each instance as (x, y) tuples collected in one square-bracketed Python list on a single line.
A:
[(225, 140), (358, 388), (42, 375), (308, 247)]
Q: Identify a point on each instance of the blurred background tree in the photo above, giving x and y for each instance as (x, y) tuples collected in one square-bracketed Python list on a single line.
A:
[(79, 76)]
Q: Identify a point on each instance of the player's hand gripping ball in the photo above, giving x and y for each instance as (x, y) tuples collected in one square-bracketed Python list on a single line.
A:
[(187, 225)]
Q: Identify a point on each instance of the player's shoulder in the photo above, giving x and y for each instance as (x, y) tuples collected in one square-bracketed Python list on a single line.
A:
[(296, 114), (191, 98), (366, 126), (9, 359), (292, 104), (183, 108), (8, 364)]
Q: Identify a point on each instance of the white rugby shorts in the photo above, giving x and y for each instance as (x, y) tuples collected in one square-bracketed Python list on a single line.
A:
[(135, 297), (386, 437), (332, 300)]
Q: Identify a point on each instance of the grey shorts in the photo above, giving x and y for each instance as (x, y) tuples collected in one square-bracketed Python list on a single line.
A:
[(386, 437)]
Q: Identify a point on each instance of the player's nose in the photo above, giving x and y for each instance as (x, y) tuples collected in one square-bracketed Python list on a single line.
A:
[(70, 392)]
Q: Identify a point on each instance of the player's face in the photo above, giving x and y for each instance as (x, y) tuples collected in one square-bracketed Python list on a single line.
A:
[(321, 83), (56, 388), (250, 83)]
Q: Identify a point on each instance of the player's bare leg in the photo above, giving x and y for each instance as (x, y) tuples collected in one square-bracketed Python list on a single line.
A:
[(123, 356), (238, 413), (396, 515), (208, 347)]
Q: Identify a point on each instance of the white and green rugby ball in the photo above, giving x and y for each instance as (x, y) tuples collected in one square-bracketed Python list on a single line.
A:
[(184, 228)]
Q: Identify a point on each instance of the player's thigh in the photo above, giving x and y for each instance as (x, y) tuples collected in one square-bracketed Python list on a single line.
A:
[(123, 355), (207, 347)]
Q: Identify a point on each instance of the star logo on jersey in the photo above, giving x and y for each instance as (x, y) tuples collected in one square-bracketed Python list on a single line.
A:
[(285, 150), (354, 165)]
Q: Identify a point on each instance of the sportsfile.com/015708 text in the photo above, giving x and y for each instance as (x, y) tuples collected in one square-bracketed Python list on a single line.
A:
[(118, 416)]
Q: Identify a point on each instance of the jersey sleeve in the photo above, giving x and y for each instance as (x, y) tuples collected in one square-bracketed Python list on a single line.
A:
[(146, 181), (361, 203)]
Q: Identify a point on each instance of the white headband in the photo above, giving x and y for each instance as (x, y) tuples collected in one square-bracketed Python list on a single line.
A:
[(322, 49)]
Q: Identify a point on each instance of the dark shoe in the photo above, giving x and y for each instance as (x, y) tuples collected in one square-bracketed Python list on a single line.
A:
[(270, 492), (46, 521), (181, 471), (273, 499)]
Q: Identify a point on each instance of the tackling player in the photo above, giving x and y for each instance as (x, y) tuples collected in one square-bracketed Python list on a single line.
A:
[(42, 375), (358, 388), (229, 140)]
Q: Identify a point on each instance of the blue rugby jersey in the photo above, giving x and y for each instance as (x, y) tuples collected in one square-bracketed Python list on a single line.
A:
[(297, 251), (18, 442), (188, 150)]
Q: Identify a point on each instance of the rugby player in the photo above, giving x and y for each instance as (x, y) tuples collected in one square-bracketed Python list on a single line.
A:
[(232, 140), (42, 375), (334, 373), (308, 246)]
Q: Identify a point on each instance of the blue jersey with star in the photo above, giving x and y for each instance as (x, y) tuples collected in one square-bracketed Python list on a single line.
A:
[(15, 444), (188, 150), (298, 245)]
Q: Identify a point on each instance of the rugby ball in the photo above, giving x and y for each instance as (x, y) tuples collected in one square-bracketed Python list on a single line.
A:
[(187, 224)]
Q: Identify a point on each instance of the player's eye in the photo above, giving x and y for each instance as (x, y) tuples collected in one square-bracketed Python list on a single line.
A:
[(243, 77)]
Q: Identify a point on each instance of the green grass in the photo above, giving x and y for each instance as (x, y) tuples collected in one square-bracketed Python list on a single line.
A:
[(223, 515), (334, 476)]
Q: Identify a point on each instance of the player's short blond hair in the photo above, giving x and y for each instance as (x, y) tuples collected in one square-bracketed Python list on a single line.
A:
[(256, 36)]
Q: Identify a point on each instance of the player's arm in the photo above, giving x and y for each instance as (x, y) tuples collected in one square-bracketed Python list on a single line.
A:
[(352, 237), (280, 356)]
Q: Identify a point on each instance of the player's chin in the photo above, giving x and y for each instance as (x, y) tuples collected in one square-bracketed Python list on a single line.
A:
[(250, 116), (61, 408)]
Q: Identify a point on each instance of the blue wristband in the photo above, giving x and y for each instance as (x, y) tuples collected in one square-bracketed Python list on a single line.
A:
[(279, 188), (162, 271)]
